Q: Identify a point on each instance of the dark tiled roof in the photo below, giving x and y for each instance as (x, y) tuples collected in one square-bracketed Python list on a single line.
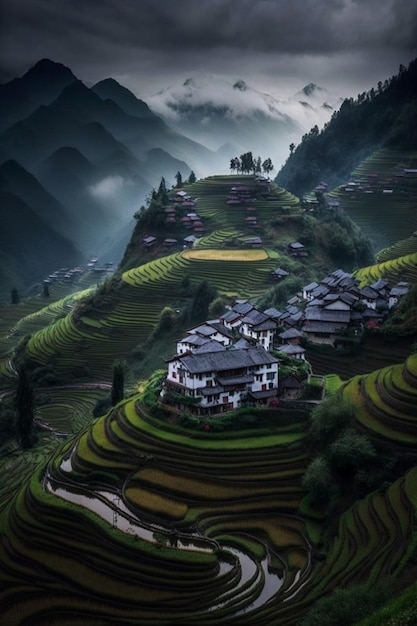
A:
[(280, 272), (310, 286), (273, 312), (369, 293), (194, 340), (226, 360), (266, 325), (258, 395), (210, 346), (291, 348), (315, 313), (291, 333), (319, 327), (230, 316), (243, 307), (290, 382)]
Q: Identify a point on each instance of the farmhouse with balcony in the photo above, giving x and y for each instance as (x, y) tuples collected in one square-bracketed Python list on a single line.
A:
[(210, 383)]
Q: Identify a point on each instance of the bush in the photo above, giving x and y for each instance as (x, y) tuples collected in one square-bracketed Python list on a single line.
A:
[(329, 419), (346, 607), (102, 406), (319, 483)]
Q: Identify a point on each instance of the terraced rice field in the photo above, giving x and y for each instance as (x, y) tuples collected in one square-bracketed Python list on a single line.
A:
[(400, 248), (385, 208), (374, 351), (392, 270), (134, 520), (187, 510), (211, 198), (71, 340), (386, 402), (226, 255)]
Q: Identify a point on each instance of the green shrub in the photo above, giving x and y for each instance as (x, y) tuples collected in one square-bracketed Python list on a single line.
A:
[(346, 607), (101, 406)]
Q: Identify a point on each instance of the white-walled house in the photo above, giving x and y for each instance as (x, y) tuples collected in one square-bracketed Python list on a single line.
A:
[(220, 381), (259, 327), (396, 293)]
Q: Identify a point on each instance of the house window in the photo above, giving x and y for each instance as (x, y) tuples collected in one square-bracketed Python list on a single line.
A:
[(225, 399), (270, 376), (174, 374), (270, 385), (264, 387)]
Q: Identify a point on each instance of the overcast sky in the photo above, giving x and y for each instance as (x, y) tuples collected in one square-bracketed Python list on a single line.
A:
[(277, 46)]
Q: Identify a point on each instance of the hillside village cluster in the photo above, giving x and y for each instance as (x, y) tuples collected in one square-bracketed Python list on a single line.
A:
[(225, 363), (222, 364)]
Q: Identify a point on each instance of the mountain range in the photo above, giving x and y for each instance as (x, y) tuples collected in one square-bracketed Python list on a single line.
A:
[(82, 159)]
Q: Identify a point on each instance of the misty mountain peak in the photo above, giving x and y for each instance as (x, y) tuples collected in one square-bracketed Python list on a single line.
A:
[(123, 97), (241, 85), (311, 89)]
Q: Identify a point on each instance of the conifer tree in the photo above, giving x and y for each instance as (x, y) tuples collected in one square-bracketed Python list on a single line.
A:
[(205, 293), (15, 298), (178, 178), (117, 389), (162, 192), (24, 409)]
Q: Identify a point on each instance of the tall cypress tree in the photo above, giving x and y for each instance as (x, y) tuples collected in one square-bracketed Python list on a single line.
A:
[(204, 294), (24, 409), (117, 388), (14, 297)]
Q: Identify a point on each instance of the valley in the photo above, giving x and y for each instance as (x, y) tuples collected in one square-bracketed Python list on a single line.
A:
[(145, 509)]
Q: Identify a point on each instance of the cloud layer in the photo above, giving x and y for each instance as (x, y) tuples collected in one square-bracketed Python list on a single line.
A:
[(151, 40)]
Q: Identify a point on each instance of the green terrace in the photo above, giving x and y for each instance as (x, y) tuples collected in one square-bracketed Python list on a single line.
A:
[(232, 501), (386, 400), (88, 339), (243, 492), (400, 248), (384, 207), (393, 270)]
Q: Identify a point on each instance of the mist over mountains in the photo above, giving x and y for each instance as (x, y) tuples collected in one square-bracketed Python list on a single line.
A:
[(81, 160), (212, 110)]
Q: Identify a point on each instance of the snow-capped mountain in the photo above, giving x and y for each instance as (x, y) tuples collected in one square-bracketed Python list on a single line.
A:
[(215, 111)]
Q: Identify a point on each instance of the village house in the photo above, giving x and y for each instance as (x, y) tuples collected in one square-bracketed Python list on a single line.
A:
[(278, 273), (397, 292), (220, 381), (213, 330), (189, 241), (290, 387), (259, 327), (296, 249), (294, 350), (149, 241)]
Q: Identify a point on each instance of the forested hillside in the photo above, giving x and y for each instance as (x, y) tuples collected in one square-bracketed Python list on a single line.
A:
[(381, 117)]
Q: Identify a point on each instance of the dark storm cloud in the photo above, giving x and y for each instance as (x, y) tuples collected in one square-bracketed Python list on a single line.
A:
[(105, 34)]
